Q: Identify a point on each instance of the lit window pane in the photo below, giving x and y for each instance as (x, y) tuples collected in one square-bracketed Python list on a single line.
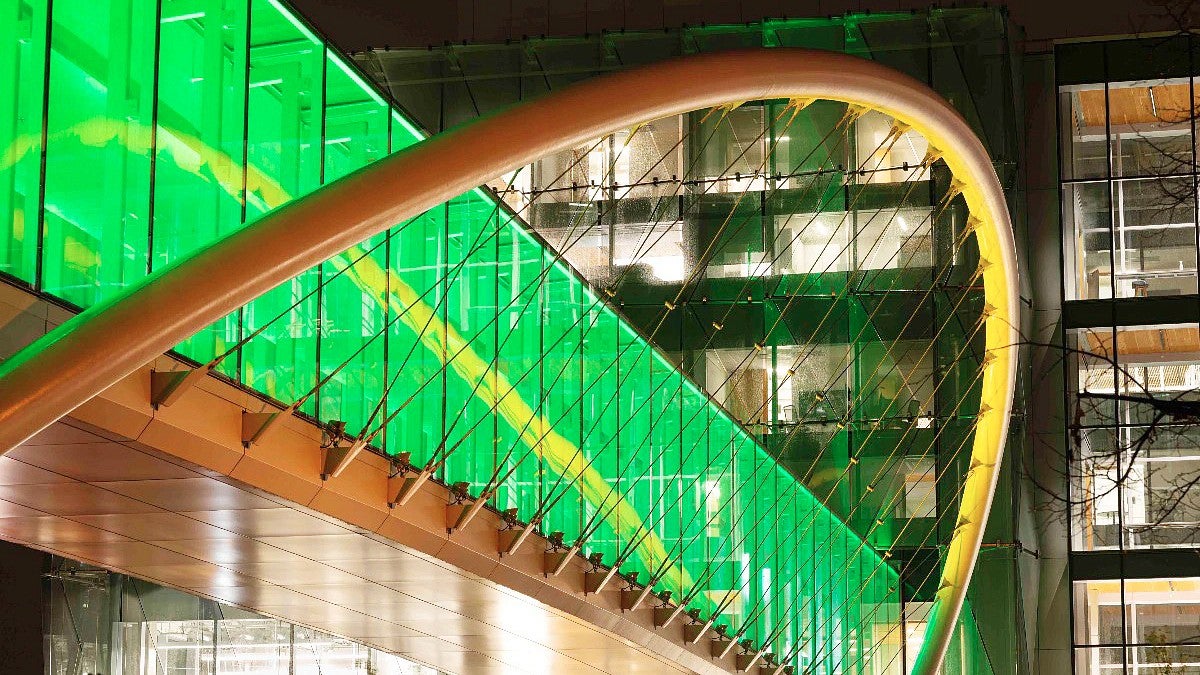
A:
[(1093, 383), (886, 153), (1098, 610), (1096, 508), (1084, 129), (1154, 226), (1087, 245), (1151, 127)]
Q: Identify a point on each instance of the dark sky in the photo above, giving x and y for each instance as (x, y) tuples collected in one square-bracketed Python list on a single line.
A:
[(355, 25)]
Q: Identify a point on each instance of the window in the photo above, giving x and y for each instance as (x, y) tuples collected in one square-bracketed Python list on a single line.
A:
[(1137, 626), (247, 645), (730, 149), (1135, 459), (1129, 188), (918, 478), (812, 243), (886, 153), (894, 238)]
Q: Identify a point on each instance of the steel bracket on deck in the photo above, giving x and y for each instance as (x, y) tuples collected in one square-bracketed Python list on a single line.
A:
[(632, 598), (336, 458), (747, 661), (167, 386), (692, 632), (464, 508), (514, 533), (727, 646), (719, 647), (556, 560), (663, 615), (406, 480), (596, 577), (460, 504), (256, 425)]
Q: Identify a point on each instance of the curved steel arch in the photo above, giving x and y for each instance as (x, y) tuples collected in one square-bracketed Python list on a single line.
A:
[(56, 374)]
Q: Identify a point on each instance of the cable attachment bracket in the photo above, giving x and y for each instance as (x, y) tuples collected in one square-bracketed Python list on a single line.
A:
[(695, 629), (167, 386), (558, 555), (338, 449), (406, 481), (664, 613), (461, 502), (597, 576)]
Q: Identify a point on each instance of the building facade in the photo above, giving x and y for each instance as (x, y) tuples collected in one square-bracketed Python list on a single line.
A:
[(1126, 165), (815, 263), (824, 288)]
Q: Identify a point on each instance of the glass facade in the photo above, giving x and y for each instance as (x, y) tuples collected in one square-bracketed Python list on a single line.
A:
[(823, 285), (1132, 362), (1134, 465), (1137, 626), (101, 622), (1128, 169), (171, 123)]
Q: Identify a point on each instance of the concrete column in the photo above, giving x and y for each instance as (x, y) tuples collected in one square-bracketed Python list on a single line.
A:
[(1049, 614), (21, 606)]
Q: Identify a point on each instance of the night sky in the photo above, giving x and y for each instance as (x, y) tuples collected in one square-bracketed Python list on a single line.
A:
[(416, 23)]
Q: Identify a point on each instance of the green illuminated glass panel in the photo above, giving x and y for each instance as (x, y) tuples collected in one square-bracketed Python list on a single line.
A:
[(471, 312), (602, 418), (522, 290), (23, 64), (354, 300), (564, 316), (488, 349), (356, 121), (352, 331), (99, 137), (403, 133), (283, 151), (637, 383), (199, 140), (716, 500), (415, 375), (698, 415), (661, 483)]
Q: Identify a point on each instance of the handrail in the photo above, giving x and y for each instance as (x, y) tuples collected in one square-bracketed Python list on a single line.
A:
[(89, 353)]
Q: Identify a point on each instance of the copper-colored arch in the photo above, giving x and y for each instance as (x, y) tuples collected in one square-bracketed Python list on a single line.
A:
[(83, 357)]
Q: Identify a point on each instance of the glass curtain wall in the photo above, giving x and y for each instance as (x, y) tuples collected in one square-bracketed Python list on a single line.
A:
[(101, 622), (1128, 169), (1135, 460), (1127, 114), (1137, 626), (827, 301), (170, 123)]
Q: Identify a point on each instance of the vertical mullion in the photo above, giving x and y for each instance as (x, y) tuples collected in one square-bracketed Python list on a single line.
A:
[(38, 284), (387, 309), (544, 305), (445, 311), (320, 294), (1192, 166), (239, 373), (1112, 234), (443, 281), (154, 98), (492, 371)]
